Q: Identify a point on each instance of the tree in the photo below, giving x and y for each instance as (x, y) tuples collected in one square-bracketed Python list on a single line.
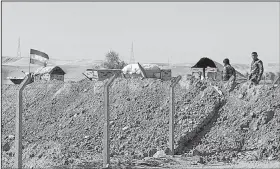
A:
[(112, 61), (96, 66)]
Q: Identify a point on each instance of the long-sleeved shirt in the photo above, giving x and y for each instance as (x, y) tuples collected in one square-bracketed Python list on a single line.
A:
[(256, 70), (228, 72)]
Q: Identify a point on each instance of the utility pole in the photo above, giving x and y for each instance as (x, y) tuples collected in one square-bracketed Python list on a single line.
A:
[(19, 51), (132, 59), (168, 63)]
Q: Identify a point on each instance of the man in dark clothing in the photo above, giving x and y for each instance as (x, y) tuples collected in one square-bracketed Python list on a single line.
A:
[(256, 69), (228, 71)]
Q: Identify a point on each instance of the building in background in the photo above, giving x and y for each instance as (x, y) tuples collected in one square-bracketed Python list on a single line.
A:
[(49, 73)]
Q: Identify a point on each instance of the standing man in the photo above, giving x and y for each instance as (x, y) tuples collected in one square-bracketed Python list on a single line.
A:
[(256, 69), (228, 71)]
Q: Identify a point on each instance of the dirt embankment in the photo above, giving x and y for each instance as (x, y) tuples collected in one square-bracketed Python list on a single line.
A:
[(63, 122)]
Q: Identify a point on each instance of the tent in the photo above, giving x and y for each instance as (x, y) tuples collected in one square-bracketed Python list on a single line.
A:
[(207, 68), (146, 70), (134, 68)]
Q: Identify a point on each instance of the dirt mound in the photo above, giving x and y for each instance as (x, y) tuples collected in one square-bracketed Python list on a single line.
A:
[(63, 122), (246, 128), (70, 115)]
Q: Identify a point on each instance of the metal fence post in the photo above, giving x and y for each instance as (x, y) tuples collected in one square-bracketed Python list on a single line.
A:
[(18, 136), (143, 72), (106, 135), (171, 115)]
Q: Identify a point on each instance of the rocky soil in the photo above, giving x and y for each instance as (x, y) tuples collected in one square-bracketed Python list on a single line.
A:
[(63, 122)]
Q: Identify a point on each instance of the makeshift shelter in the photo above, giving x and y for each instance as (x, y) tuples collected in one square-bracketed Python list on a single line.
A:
[(206, 68), (102, 74), (49, 73)]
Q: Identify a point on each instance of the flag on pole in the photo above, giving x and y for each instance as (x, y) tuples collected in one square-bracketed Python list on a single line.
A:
[(37, 57)]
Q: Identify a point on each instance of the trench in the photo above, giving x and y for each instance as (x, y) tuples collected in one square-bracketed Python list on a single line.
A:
[(191, 139)]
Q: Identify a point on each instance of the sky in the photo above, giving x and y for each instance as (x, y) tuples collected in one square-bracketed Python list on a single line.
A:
[(182, 32)]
